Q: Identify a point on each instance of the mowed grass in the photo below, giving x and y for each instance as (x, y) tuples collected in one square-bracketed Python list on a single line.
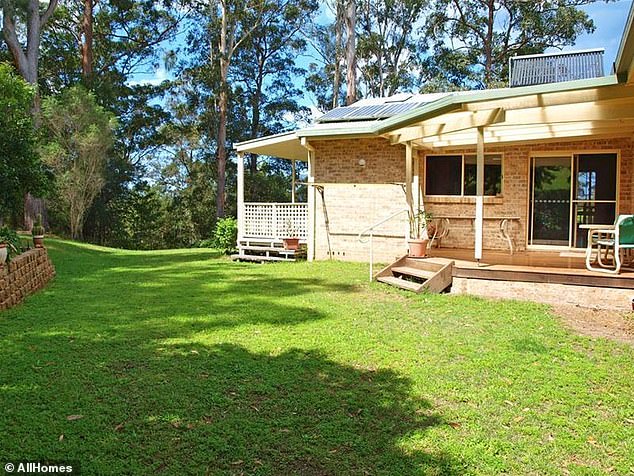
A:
[(182, 362)]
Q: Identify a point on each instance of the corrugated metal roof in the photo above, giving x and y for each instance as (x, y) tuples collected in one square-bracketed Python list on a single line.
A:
[(530, 70)]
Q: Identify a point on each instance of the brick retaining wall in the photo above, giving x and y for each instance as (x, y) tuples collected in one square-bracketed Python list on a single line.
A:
[(24, 275)]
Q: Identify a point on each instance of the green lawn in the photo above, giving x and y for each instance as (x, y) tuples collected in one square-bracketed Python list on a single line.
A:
[(182, 362)]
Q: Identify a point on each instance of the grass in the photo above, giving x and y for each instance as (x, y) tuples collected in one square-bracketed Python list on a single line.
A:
[(182, 362)]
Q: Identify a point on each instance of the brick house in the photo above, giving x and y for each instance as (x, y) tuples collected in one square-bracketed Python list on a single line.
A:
[(518, 169)]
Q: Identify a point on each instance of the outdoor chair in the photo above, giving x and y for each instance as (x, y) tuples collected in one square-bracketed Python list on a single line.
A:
[(617, 241)]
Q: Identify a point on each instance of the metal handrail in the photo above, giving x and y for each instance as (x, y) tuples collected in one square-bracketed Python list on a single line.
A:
[(369, 231)]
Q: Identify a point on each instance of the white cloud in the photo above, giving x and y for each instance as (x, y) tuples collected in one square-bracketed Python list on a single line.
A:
[(157, 78)]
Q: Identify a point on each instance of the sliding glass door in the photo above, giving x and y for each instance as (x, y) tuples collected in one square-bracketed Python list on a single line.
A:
[(595, 193), (550, 201), (567, 192)]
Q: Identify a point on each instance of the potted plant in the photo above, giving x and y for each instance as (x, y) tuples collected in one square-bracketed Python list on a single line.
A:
[(38, 232), (291, 239), (419, 228), (9, 244)]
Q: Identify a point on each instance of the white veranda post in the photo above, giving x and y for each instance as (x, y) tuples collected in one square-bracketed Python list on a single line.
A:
[(240, 192), (479, 212)]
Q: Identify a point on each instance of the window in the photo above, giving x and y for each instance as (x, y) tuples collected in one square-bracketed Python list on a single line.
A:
[(456, 175)]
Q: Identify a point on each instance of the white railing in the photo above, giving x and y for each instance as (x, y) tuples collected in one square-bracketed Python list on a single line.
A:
[(369, 231), (275, 221)]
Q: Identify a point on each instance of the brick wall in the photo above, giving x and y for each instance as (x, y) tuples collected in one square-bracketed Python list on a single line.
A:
[(23, 276), (355, 196)]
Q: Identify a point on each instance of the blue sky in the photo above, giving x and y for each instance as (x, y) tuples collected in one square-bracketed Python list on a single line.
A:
[(610, 21)]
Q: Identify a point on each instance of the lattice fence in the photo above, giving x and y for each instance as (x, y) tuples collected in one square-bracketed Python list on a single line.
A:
[(275, 220)]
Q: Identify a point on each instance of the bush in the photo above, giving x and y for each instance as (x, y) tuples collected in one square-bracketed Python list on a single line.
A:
[(12, 240), (226, 234)]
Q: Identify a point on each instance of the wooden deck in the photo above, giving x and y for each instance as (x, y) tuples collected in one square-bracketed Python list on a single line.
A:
[(567, 267)]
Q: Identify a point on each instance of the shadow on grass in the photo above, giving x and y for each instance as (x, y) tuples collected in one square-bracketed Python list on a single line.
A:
[(193, 409), (112, 341), (151, 295)]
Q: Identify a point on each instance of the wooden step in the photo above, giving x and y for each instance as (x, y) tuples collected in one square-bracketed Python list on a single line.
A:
[(267, 248), (259, 259), (409, 271), (400, 283)]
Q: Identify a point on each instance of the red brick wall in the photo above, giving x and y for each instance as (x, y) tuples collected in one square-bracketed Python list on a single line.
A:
[(24, 275), (355, 197)]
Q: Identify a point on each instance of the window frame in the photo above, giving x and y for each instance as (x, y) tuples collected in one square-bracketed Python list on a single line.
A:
[(462, 172)]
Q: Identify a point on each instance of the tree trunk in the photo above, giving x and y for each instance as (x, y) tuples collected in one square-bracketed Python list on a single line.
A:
[(336, 87), (255, 118), (351, 52), (87, 42), (488, 46), (26, 61), (221, 138)]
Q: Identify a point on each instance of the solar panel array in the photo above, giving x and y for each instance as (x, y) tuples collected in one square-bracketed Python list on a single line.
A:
[(365, 113)]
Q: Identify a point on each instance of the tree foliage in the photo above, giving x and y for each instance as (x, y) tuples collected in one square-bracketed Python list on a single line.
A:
[(80, 137), (21, 170), (474, 40)]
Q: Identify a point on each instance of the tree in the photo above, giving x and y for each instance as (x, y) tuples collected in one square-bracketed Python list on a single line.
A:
[(389, 46), (483, 34), (81, 135), (265, 67), (236, 25), (351, 51), (26, 60), (20, 167)]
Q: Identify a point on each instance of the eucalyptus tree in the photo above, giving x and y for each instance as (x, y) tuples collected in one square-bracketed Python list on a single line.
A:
[(266, 67), (390, 44), (481, 35), (34, 16)]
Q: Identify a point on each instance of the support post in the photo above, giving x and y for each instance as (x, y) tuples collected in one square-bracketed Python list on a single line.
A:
[(312, 200), (241, 227), (479, 211), (293, 181), (409, 167)]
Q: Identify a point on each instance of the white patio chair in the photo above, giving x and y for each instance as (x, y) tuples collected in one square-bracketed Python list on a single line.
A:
[(619, 241)]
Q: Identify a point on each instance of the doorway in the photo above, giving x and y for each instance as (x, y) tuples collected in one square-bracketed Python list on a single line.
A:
[(568, 191)]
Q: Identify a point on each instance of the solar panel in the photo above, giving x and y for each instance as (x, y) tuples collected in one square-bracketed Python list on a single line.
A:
[(365, 112), (337, 113), (394, 109)]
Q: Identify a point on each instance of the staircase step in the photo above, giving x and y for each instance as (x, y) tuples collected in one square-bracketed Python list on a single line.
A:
[(258, 258), (409, 271), (400, 283)]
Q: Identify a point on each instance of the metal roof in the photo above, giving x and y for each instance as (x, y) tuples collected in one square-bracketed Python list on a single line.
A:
[(556, 67)]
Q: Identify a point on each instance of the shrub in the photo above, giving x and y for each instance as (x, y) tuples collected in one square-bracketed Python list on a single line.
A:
[(12, 240), (226, 234)]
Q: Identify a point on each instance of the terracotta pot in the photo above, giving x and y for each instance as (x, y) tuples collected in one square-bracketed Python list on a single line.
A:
[(291, 243), (418, 248), (4, 252), (38, 241)]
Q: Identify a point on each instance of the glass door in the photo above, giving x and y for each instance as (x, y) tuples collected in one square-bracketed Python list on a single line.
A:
[(595, 193), (550, 201)]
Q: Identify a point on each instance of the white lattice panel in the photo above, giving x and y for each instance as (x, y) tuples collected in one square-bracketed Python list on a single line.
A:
[(275, 220)]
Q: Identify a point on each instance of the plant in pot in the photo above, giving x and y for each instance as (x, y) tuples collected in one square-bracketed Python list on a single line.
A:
[(38, 232), (9, 244), (291, 233), (419, 229)]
